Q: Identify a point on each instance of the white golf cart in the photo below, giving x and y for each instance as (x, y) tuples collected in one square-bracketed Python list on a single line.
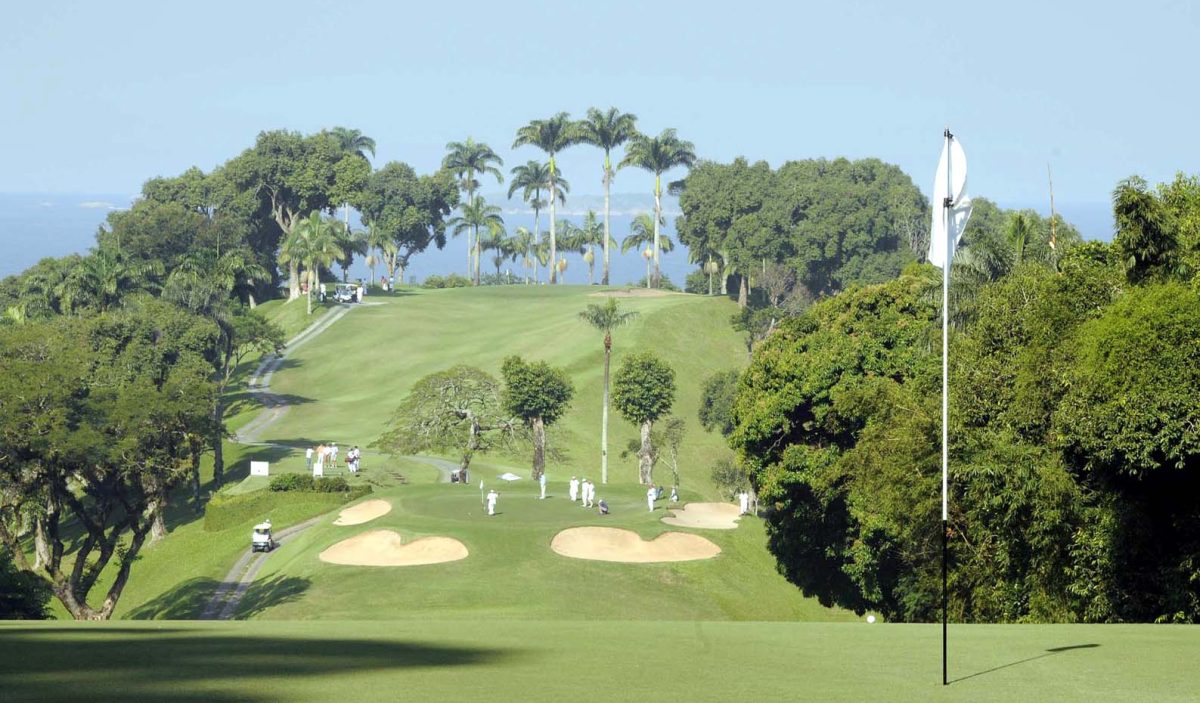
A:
[(262, 541), (346, 293)]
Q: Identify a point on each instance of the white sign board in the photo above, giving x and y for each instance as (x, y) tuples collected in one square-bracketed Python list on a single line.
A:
[(260, 468)]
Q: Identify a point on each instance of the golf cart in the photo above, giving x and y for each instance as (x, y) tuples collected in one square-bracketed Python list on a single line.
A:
[(346, 293), (262, 541)]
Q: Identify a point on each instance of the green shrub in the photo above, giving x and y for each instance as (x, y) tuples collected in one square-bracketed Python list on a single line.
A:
[(434, 282), (291, 482), (456, 281), (332, 484)]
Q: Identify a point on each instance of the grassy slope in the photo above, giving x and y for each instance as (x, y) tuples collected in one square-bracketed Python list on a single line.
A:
[(358, 371), (609, 661)]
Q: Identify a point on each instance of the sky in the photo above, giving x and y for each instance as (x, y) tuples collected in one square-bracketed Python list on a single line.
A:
[(101, 96)]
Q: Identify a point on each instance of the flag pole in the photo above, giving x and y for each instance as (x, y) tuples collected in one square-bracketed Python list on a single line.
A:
[(946, 205)]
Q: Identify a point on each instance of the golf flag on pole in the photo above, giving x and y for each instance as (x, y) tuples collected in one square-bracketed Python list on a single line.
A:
[(951, 210), (949, 223)]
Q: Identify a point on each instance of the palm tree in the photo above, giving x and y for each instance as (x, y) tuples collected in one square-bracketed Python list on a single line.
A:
[(551, 136), (501, 245), (353, 142), (234, 272), (592, 234), (531, 178), (606, 318), (102, 280), (349, 243), (466, 159), (522, 244), (313, 244), (642, 233), (607, 131), (658, 155), (472, 216)]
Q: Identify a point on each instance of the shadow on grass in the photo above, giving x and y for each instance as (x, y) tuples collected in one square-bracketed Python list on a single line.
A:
[(188, 600), (217, 664), (1047, 653)]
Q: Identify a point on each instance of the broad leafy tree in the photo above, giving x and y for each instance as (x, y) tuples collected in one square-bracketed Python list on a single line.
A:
[(538, 394), (406, 213), (644, 391)]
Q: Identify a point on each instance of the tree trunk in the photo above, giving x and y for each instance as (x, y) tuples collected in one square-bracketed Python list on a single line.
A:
[(293, 280), (724, 278), (657, 216), (710, 282), (253, 303), (645, 464), (553, 242), (604, 413), (743, 292), (196, 477), (399, 279), (218, 414), (158, 524), (478, 255), (607, 225), (539, 448)]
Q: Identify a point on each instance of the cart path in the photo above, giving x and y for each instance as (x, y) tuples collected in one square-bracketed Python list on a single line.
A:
[(225, 599), (443, 466), (274, 407)]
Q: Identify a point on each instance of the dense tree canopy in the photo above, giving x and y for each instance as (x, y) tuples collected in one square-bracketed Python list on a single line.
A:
[(538, 394)]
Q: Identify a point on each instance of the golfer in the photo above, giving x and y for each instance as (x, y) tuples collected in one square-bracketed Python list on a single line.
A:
[(492, 497), (744, 503), (542, 484), (651, 495), (573, 489), (308, 459), (589, 493)]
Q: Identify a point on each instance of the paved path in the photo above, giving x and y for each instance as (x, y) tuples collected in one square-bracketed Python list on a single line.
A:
[(274, 407), (228, 595)]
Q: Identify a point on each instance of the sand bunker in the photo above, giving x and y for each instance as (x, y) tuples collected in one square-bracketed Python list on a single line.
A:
[(631, 293), (709, 516), (612, 544), (363, 512), (387, 548)]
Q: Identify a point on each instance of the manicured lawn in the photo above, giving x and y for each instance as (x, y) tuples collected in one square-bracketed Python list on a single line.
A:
[(490, 659)]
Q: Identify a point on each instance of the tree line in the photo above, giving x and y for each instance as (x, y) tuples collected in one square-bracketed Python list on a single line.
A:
[(1075, 403)]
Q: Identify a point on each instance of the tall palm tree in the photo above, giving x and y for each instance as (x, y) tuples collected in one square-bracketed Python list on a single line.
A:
[(472, 217), (233, 272), (607, 130), (643, 232), (353, 142), (313, 244), (551, 136), (531, 178), (658, 155), (502, 246), (102, 279), (349, 243), (466, 159), (606, 318)]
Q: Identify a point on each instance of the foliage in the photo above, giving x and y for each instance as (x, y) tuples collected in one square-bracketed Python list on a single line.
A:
[(452, 281), (455, 410), (716, 402), (537, 394), (308, 482), (23, 596), (643, 387), (729, 477)]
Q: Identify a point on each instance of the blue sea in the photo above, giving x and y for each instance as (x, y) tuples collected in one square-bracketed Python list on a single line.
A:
[(34, 226)]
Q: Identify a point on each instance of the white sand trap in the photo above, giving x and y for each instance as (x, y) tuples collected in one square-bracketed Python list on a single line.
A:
[(631, 293), (363, 512), (709, 516), (612, 544), (387, 548)]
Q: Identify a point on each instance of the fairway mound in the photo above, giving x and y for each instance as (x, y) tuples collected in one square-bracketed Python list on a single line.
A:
[(708, 516), (387, 548), (631, 293), (613, 544), (363, 512)]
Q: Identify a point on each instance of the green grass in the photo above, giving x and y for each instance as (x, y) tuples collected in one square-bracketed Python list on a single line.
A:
[(351, 378), (624, 660), (292, 317)]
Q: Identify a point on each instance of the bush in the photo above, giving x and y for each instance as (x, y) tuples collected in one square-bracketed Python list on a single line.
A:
[(729, 478), (452, 281), (434, 282), (23, 596), (697, 282), (308, 484), (664, 283)]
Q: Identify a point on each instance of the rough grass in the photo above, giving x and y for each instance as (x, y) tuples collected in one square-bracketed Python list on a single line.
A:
[(439, 660)]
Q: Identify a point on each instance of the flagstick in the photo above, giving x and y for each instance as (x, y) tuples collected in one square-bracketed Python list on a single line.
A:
[(946, 391)]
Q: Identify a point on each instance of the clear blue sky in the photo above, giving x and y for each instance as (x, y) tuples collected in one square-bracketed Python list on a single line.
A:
[(100, 96)]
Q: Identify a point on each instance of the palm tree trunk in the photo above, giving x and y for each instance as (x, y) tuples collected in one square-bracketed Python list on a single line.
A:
[(604, 413), (293, 280), (607, 225), (217, 443), (553, 243), (310, 287), (657, 215), (478, 254), (648, 281)]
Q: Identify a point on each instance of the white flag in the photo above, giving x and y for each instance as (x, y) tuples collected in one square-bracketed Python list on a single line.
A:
[(951, 181)]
